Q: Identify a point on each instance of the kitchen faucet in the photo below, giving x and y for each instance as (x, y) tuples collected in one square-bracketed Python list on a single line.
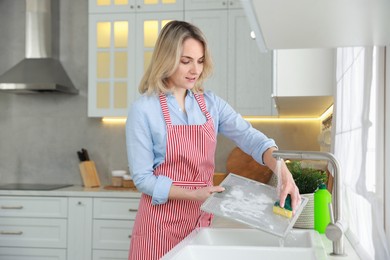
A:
[(335, 229)]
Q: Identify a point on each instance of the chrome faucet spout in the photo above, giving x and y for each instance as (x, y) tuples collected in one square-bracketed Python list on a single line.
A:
[(334, 231)]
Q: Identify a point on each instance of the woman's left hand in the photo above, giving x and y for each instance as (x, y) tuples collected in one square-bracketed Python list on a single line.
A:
[(288, 186), (287, 183)]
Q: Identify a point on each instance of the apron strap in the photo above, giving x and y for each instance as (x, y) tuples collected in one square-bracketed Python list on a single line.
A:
[(202, 104), (164, 108), (199, 98)]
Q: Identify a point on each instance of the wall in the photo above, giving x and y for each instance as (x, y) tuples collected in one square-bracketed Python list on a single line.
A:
[(40, 133)]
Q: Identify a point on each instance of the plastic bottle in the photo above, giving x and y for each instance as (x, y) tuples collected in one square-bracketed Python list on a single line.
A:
[(322, 198)]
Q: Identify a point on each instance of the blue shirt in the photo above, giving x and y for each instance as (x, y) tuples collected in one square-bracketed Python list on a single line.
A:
[(146, 136)]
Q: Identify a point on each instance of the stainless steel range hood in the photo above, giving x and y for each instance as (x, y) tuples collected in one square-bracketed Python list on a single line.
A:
[(39, 71)]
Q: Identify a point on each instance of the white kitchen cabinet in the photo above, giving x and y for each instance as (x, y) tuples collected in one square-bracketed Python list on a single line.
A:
[(214, 25), (249, 70), (131, 6), (242, 75), (212, 4), (45, 207), (121, 45), (120, 48), (113, 220), (114, 208), (8, 253), (33, 227), (110, 255), (67, 227), (112, 234), (33, 232), (80, 228), (304, 80)]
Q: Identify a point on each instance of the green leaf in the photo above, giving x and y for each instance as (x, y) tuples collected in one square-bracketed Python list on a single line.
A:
[(306, 179)]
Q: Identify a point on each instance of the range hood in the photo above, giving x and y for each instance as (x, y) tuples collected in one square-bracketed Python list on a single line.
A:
[(302, 24), (39, 71)]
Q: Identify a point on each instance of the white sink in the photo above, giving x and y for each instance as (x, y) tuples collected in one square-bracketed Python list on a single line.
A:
[(232, 243)]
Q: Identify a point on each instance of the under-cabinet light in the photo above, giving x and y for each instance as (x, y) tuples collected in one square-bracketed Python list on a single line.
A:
[(279, 119), (325, 115), (114, 120)]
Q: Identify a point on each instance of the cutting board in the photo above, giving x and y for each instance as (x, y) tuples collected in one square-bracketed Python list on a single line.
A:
[(89, 174), (244, 165), (250, 202)]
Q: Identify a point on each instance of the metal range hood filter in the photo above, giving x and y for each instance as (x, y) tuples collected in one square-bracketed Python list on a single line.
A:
[(39, 71)]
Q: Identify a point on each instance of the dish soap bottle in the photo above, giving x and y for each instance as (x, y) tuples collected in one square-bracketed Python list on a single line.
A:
[(322, 198)]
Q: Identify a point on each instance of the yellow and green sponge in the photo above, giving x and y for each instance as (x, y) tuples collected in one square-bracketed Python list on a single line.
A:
[(286, 211)]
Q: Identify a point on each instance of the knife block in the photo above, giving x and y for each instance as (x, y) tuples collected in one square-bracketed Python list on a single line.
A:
[(89, 174)]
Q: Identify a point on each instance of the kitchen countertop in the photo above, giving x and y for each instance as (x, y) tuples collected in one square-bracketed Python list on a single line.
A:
[(76, 191)]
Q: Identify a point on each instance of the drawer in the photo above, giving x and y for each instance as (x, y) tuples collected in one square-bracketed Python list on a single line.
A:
[(110, 255), (112, 234), (114, 208), (33, 232), (32, 254), (46, 207)]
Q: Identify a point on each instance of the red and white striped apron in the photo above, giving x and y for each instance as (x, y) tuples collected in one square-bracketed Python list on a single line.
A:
[(189, 162)]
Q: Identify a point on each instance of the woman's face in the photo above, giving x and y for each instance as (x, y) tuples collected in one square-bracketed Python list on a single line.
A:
[(190, 65)]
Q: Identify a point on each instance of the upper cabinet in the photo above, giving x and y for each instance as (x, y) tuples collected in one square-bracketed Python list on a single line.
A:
[(242, 75), (303, 24), (211, 4), (120, 48), (304, 81), (131, 6), (122, 34)]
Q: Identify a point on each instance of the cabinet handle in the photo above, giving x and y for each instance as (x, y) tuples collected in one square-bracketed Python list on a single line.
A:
[(11, 233), (131, 6), (138, 6), (231, 3), (223, 3), (11, 207), (133, 210), (129, 236)]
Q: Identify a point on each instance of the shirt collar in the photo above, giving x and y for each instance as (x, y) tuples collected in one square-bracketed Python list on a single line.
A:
[(189, 94)]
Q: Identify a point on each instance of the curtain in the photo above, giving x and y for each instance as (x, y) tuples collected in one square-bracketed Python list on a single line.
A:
[(358, 139)]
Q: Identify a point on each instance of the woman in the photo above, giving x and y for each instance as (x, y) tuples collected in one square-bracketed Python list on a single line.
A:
[(171, 134)]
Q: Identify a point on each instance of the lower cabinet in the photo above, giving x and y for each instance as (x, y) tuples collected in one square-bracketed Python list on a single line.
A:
[(33, 228), (113, 221), (87, 228), (8, 253), (80, 228), (110, 255)]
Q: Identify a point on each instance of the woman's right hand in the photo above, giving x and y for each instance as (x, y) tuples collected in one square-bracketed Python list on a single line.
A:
[(203, 193), (200, 194)]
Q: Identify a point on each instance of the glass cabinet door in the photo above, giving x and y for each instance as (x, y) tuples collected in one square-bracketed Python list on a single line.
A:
[(149, 26), (130, 6), (111, 64)]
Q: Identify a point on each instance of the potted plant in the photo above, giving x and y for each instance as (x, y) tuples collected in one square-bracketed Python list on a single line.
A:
[(307, 180)]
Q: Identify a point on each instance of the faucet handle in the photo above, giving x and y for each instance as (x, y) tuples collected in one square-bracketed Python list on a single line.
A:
[(330, 207), (333, 231)]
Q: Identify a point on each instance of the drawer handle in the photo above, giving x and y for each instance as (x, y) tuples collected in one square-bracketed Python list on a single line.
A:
[(11, 207), (11, 232), (129, 236), (133, 210)]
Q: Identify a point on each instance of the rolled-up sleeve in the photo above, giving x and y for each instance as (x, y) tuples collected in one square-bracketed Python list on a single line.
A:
[(141, 156)]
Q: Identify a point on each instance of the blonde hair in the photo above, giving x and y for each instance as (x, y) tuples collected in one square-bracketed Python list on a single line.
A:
[(166, 57)]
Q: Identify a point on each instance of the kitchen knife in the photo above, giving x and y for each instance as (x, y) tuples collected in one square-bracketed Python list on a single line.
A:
[(81, 156), (85, 153)]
